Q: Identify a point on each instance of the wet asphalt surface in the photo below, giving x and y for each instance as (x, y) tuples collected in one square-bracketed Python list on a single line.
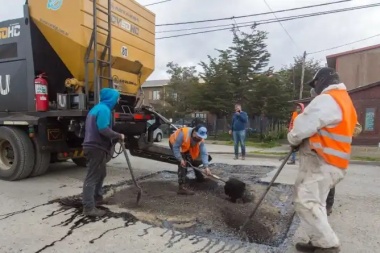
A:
[(32, 222)]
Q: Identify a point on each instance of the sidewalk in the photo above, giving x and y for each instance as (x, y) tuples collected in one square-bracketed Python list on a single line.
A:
[(359, 155)]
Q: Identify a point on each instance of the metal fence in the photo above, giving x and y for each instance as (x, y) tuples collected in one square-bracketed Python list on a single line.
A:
[(257, 125)]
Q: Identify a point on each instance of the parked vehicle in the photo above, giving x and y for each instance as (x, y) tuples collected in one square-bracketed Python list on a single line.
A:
[(53, 63), (157, 134)]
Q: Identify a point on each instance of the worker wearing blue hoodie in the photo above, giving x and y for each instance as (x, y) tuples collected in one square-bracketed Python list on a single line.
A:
[(238, 126), (97, 147)]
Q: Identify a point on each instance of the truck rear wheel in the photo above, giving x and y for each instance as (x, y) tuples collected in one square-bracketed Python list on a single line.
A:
[(16, 154), (42, 160)]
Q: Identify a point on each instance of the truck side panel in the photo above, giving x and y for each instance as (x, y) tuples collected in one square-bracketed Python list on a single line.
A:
[(16, 65)]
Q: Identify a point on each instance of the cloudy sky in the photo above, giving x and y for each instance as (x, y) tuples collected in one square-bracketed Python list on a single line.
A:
[(308, 34)]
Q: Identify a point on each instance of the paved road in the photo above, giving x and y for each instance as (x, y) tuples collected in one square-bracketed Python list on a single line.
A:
[(355, 218)]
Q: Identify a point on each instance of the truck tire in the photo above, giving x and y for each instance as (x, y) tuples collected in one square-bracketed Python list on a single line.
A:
[(16, 154), (42, 160)]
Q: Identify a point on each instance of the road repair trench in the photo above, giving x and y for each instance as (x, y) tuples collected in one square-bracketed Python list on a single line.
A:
[(207, 214)]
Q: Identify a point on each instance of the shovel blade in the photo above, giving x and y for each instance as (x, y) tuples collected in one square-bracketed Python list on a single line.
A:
[(234, 188)]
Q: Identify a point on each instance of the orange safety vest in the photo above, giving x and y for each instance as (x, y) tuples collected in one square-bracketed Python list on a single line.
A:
[(186, 144), (334, 144), (294, 116)]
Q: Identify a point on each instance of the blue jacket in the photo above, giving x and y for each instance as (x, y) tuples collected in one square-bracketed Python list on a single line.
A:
[(98, 123), (177, 148), (239, 121)]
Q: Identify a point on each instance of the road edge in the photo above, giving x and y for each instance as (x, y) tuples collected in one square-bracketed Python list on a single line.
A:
[(256, 155)]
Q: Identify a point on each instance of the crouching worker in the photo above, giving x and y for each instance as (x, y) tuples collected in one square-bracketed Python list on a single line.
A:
[(187, 144), (97, 147)]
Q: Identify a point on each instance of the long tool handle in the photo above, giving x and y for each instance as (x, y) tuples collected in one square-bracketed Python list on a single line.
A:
[(266, 191), (131, 170), (201, 171)]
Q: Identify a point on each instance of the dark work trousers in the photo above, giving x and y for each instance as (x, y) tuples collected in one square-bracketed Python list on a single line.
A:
[(182, 171), (330, 198), (96, 172)]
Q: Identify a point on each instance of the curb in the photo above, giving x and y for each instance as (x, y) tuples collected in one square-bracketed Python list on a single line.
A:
[(358, 162)]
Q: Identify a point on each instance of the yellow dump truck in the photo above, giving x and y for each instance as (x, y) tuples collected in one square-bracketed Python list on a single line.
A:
[(53, 63)]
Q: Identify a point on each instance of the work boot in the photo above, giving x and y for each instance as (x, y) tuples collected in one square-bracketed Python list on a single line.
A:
[(292, 162), (183, 191), (305, 247), (328, 210), (93, 212), (327, 250), (243, 157), (236, 157)]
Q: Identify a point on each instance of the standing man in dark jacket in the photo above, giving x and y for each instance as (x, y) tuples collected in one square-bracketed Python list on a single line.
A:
[(97, 147), (239, 121)]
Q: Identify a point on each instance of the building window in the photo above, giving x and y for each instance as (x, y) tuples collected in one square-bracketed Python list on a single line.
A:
[(156, 95), (175, 96), (200, 115), (369, 123)]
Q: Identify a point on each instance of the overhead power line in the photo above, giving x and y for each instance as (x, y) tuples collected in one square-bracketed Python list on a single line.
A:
[(157, 3), (269, 21), (252, 15), (286, 31), (257, 21), (347, 44)]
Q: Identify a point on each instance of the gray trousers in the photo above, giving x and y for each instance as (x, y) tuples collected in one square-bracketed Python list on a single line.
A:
[(96, 172)]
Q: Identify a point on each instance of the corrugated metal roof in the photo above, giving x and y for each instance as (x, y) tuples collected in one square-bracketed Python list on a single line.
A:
[(155, 83)]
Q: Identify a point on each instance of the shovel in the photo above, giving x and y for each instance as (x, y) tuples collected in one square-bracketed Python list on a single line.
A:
[(234, 188), (131, 170), (266, 191)]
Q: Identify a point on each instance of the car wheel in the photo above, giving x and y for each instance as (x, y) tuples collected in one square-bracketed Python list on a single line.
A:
[(159, 137)]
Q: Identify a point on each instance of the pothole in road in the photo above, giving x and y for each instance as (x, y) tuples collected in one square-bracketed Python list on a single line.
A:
[(209, 213)]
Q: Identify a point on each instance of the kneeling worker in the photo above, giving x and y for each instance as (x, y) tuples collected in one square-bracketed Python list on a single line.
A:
[(188, 143)]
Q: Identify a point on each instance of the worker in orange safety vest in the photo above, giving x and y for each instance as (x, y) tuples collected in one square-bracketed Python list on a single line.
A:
[(331, 195), (299, 109), (188, 144), (323, 134)]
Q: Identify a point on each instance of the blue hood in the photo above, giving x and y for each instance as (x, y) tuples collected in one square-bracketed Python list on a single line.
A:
[(109, 97)]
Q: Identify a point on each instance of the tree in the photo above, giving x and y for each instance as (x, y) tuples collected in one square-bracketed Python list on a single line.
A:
[(218, 89), (182, 88), (238, 74), (291, 76)]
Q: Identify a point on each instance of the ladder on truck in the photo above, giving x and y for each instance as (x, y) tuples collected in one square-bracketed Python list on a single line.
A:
[(102, 64)]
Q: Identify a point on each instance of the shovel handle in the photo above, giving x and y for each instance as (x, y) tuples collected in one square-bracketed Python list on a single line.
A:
[(266, 191), (201, 171)]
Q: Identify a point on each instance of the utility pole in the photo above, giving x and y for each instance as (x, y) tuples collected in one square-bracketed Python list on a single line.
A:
[(303, 73)]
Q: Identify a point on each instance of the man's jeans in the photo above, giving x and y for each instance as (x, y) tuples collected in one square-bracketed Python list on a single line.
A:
[(293, 158), (239, 137)]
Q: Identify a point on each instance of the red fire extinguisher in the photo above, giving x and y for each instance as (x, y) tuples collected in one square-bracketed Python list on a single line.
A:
[(41, 88)]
